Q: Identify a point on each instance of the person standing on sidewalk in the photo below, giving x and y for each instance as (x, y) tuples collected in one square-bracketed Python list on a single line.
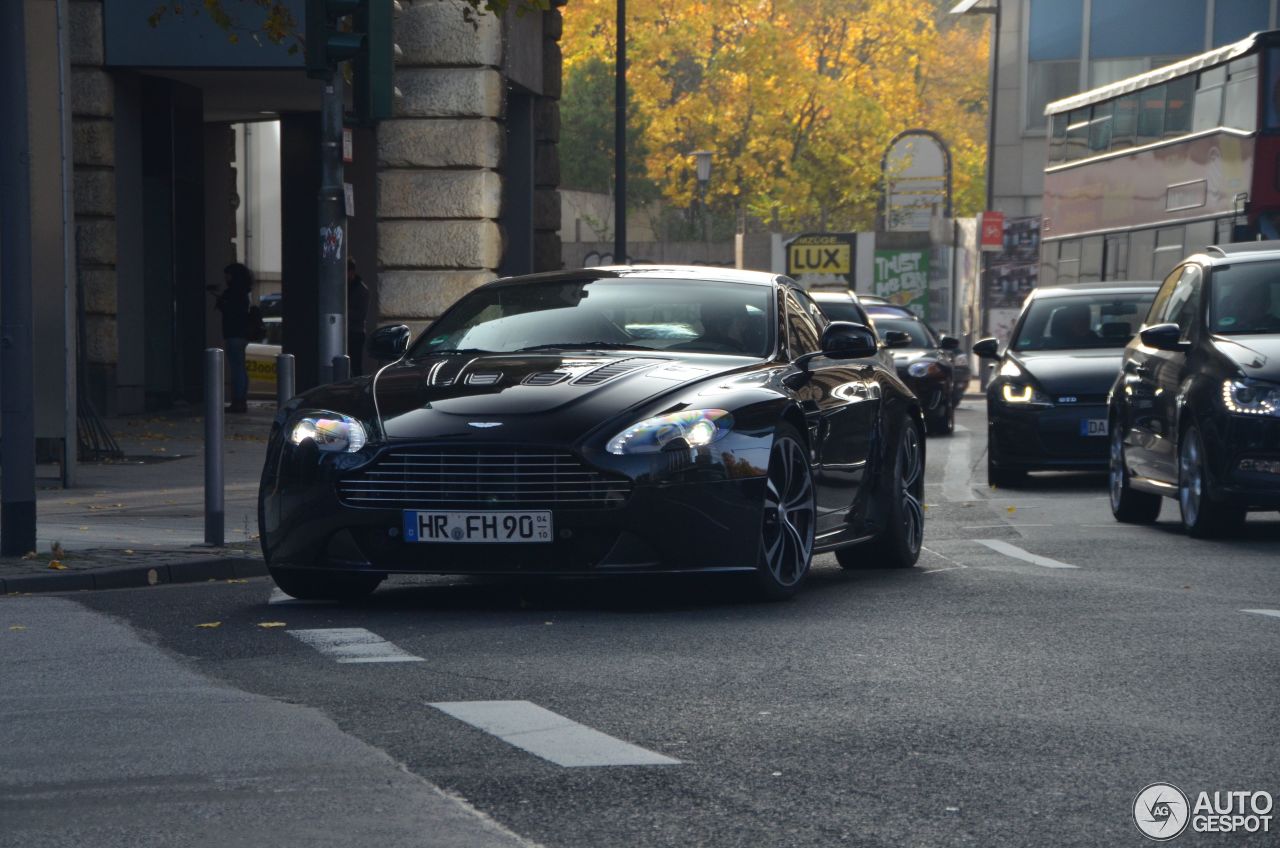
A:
[(357, 313), (233, 302)]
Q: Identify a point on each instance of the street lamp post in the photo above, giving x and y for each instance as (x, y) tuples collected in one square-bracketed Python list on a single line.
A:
[(620, 140), (702, 165)]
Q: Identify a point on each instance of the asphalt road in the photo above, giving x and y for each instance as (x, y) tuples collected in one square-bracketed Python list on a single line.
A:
[(1039, 667)]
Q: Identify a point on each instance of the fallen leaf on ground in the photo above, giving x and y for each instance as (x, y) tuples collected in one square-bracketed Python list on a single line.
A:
[(210, 624), (237, 580), (1011, 510), (271, 624), (17, 627), (57, 566), (128, 550), (84, 527)]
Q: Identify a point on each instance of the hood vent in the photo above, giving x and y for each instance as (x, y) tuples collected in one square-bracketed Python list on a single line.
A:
[(545, 378), (614, 369), (489, 378)]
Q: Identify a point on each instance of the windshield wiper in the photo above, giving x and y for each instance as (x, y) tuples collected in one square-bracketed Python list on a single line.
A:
[(456, 351), (583, 346)]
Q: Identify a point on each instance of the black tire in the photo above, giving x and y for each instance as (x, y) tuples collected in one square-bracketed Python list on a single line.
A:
[(789, 518), (308, 585), (1128, 505), (943, 424), (1202, 516), (899, 543), (1005, 476)]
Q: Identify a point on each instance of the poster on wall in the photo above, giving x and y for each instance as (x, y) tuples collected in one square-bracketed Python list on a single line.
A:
[(902, 277), (822, 259), (1012, 273)]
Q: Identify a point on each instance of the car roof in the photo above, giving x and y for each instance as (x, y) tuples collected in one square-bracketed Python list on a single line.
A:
[(1217, 253), (1118, 287), (833, 295), (650, 272)]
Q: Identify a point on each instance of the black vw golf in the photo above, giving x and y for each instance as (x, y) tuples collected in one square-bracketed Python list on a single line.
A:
[(601, 422), (1196, 410), (1047, 406)]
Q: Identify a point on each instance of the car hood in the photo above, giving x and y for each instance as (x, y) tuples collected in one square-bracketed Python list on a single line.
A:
[(505, 397), (1255, 356), (1078, 372)]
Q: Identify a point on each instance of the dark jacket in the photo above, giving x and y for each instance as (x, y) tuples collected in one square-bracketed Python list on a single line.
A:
[(357, 305), (234, 304)]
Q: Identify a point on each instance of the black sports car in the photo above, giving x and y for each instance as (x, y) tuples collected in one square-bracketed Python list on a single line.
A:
[(929, 363), (1047, 406), (597, 422), (1195, 412)]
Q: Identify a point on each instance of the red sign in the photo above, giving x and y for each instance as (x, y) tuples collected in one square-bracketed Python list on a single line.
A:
[(992, 231)]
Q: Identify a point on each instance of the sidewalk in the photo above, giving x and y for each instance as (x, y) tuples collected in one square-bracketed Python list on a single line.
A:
[(140, 521)]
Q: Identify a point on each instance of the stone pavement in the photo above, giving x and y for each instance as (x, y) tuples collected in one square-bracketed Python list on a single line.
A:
[(140, 520)]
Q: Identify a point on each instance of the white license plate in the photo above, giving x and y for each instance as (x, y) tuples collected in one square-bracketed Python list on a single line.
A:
[(1093, 427), (477, 527)]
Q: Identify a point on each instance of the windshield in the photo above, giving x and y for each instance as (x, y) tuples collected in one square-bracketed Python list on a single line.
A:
[(1246, 298), (1082, 322), (920, 335), (607, 314)]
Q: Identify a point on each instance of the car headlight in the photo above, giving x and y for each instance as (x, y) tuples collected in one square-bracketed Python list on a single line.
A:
[(1251, 397), (1009, 368), (692, 428), (924, 368), (1023, 394), (332, 432)]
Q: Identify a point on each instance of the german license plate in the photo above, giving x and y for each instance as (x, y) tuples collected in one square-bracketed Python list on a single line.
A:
[(477, 527), (1093, 427)]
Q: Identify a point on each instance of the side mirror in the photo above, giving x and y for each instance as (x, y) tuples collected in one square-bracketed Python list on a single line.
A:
[(949, 343), (848, 340), (1164, 337), (387, 344), (987, 348), (896, 338)]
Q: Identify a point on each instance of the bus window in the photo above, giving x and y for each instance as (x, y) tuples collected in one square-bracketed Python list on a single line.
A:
[(1100, 127), (1168, 251), (1078, 134), (1241, 103), (1272, 98), (1209, 99), (1177, 107), (1124, 123), (1150, 115), (1058, 139)]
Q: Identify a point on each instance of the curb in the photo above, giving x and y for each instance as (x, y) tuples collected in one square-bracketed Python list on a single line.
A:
[(133, 576)]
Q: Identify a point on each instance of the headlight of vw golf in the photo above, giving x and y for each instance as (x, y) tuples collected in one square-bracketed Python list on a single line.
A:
[(1251, 397), (332, 432), (1023, 394), (692, 428)]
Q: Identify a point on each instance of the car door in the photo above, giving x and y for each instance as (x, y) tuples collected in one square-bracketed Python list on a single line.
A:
[(841, 404), (1155, 376)]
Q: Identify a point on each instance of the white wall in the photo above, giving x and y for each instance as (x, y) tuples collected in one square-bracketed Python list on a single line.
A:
[(258, 216)]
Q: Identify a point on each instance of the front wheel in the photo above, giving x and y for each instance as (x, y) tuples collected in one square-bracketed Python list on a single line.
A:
[(899, 543), (1202, 517), (1128, 504), (790, 516), (944, 423), (315, 585)]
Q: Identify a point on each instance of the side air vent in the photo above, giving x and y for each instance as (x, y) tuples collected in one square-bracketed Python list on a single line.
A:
[(545, 378), (605, 373), (490, 378)]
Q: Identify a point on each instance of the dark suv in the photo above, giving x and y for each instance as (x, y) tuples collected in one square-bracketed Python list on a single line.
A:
[(1195, 412)]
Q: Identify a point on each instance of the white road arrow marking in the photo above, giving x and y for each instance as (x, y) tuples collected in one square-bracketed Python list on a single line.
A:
[(353, 645), (1270, 613), (1016, 552)]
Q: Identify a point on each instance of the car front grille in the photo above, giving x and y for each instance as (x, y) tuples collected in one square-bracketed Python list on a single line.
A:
[(419, 478)]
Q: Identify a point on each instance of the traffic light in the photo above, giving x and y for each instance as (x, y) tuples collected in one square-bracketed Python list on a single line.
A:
[(327, 43), (366, 40)]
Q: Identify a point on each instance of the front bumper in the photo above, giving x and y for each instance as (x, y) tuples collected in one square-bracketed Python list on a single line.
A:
[(701, 520), (1245, 461), (1046, 438)]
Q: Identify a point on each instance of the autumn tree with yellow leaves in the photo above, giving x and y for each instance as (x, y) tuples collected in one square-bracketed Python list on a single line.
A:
[(797, 98)]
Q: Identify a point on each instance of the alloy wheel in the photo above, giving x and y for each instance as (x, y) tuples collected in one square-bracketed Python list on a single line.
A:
[(1190, 478), (1115, 471), (789, 513), (911, 472)]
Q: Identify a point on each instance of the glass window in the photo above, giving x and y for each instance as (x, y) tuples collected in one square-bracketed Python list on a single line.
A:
[(1058, 139), (1246, 298), (696, 315), (1107, 71), (1100, 127), (1234, 19), (1068, 261), (801, 329), (1240, 105), (1047, 82), (1180, 95), (1209, 98), (1162, 297), (1168, 252), (1272, 94), (1119, 30), (1078, 322), (1091, 260), (1184, 301), (920, 334), (1115, 258), (1078, 134), (1124, 122), (1150, 115), (1055, 29)]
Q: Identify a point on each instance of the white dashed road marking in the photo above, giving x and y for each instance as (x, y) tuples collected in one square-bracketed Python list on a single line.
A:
[(353, 645), (1018, 553), (955, 475), (550, 736), (1271, 613)]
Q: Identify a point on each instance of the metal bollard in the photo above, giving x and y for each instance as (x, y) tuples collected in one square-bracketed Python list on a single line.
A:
[(341, 368), (214, 517), (284, 378)]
